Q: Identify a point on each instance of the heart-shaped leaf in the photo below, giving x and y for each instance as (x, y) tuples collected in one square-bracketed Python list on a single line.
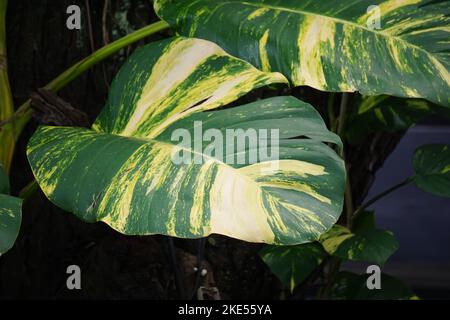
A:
[(10, 215), (350, 286), (293, 264), (387, 114), (127, 170), (432, 169), (398, 48), (372, 245)]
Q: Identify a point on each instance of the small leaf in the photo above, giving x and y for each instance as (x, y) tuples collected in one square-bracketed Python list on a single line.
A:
[(293, 264), (10, 218), (372, 245), (348, 285), (341, 285), (10, 215), (432, 169), (387, 114)]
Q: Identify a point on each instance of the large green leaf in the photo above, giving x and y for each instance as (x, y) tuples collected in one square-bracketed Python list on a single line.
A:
[(350, 286), (432, 169), (328, 45), (10, 215), (372, 114), (122, 172), (293, 264), (372, 245)]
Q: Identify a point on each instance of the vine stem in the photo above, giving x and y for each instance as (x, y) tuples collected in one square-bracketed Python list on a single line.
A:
[(200, 256), (7, 140), (27, 191), (330, 111), (179, 280), (343, 114), (344, 108), (334, 263), (380, 196), (24, 111)]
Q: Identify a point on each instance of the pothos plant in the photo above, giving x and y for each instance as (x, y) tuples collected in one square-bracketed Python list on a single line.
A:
[(120, 171)]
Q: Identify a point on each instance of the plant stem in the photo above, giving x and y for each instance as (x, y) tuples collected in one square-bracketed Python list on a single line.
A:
[(76, 70), (381, 195), (200, 255), (28, 190), (178, 278), (343, 114), (340, 131), (335, 264), (7, 141), (348, 200), (331, 112)]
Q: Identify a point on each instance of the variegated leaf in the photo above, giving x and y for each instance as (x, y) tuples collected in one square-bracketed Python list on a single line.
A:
[(383, 113), (171, 79), (350, 286), (123, 172), (331, 45), (432, 169), (10, 215), (372, 245), (293, 264)]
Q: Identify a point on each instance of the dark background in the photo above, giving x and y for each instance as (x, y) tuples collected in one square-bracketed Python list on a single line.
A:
[(40, 47), (420, 221)]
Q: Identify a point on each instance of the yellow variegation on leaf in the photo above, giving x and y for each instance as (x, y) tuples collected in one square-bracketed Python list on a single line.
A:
[(393, 47), (123, 171), (10, 214)]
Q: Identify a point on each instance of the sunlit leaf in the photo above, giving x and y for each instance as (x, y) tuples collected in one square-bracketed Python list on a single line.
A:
[(372, 245), (122, 172)]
